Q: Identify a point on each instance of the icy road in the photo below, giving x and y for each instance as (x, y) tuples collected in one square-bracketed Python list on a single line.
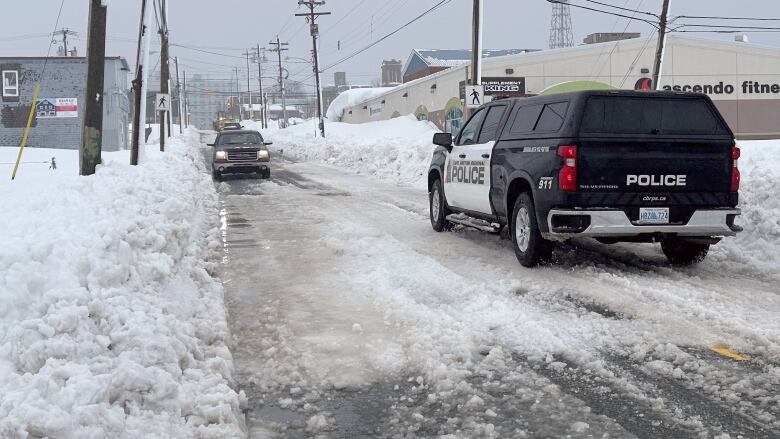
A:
[(352, 318)]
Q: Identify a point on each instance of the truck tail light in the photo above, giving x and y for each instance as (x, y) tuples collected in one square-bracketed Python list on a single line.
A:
[(735, 153), (567, 177)]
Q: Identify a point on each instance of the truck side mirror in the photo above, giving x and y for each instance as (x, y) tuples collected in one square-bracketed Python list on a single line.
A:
[(443, 139), (209, 144)]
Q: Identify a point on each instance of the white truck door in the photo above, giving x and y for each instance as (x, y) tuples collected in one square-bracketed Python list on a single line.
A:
[(469, 169), (456, 166)]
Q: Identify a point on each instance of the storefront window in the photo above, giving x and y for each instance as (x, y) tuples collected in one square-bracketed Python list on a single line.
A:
[(10, 83), (453, 120)]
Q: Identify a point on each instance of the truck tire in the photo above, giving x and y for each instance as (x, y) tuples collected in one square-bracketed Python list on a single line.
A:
[(682, 252), (438, 208), (530, 247), (217, 175)]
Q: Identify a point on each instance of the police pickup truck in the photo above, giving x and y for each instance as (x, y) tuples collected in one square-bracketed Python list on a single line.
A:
[(617, 166)]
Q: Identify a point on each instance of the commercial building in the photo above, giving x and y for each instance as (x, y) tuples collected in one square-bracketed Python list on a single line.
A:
[(59, 110), (742, 79), (424, 62), (391, 72), (602, 37)]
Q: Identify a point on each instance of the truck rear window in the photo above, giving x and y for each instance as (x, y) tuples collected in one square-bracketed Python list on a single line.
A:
[(653, 116)]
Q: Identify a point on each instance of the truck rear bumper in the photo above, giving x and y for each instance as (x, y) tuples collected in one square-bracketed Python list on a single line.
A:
[(563, 224)]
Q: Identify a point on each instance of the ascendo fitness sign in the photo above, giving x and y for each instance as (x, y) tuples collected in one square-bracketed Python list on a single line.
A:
[(719, 88)]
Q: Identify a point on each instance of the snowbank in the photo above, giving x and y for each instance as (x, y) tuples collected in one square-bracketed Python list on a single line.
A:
[(352, 97), (397, 149), (759, 244), (110, 324)]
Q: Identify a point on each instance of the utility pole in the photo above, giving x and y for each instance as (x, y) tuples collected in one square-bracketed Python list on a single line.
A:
[(248, 89), (186, 101), (310, 18), (165, 74), (278, 49), (139, 98), (659, 52), (238, 94), (92, 129), (178, 95), (263, 120), (65, 32), (476, 46)]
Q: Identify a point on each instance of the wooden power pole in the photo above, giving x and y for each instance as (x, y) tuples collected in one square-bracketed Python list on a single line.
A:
[(248, 86), (178, 96), (314, 28), (165, 72), (138, 112), (92, 128), (476, 47), (278, 49), (186, 109), (659, 52), (263, 120)]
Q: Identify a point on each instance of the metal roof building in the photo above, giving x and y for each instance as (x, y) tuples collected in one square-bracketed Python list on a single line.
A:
[(424, 62), (742, 79)]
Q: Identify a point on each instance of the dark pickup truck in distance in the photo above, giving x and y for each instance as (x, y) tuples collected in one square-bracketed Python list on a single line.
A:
[(617, 166), (240, 152)]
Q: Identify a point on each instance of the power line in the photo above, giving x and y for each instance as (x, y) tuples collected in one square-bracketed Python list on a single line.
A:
[(734, 28), (407, 24), (24, 37), (205, 51), (345, 16), (650, 22), (623, 8), (597, 63), (366, 27), (701, 17)]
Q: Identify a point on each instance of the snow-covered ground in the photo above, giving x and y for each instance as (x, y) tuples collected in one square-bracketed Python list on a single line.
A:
[(399, 150), (110, 322), (419, 334)]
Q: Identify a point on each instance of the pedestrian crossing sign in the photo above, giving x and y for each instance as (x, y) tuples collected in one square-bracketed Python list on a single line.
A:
[(163, 102)]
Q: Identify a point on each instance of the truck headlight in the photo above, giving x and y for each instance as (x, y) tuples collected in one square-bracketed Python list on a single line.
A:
[(221, 155), (262, 154)]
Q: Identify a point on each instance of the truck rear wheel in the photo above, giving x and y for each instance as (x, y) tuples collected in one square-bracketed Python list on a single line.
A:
[(682, 252), (530, 247), (438, 208)]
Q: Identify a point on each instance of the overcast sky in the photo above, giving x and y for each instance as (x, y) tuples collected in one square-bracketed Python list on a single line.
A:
[(227, 26)]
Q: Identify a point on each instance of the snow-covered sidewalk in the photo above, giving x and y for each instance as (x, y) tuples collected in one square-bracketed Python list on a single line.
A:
[(110, 322)]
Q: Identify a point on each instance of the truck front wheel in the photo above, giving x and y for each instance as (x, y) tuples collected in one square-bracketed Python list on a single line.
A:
[(530, 247), (438, 208), (682, 252)]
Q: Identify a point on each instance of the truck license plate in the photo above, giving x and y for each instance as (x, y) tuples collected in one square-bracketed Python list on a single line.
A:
[(654, 215)]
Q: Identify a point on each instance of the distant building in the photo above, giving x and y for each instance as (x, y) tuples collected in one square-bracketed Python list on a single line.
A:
[(610, 36), (340, 79), (59, 111), (391, 73), (331, 92), (425, 62), (746, 89)]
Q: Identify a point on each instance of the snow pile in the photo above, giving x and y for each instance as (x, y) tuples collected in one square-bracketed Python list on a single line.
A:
[(759, 244), (110, 324), (352, 97), (397, 149)]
